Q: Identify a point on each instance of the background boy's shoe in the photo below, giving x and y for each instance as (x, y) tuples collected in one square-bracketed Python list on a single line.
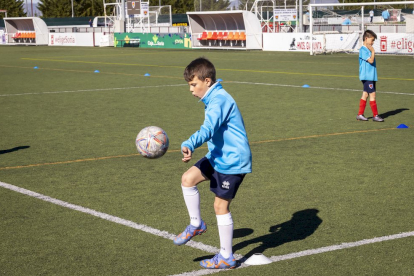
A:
[(219, 262), (361, 118), (378, 119), (190, 232)]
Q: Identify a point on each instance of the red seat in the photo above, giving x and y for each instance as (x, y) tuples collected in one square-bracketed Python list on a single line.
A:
[(213, 36), (220, 36), (203, 36), (209, 36)]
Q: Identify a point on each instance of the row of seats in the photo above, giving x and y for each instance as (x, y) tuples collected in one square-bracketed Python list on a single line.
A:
[(223, 36), (31, 35)]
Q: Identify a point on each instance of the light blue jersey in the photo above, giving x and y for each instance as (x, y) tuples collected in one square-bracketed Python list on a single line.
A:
[(386, 14), (223, 130), (367, 71)]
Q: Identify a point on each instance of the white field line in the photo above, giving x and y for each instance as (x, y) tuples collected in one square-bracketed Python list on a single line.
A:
[(171, 85), (317, 87), (198, 245), (93, 90), (142, 227), (309, 252)]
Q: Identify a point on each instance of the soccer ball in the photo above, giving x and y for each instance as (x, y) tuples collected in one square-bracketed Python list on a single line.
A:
[(152, 142)]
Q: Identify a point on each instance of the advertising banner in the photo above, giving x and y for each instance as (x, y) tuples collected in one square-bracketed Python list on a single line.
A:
[(151, 40), (285, 14), (71, 39), (298, 42), (394, 43)]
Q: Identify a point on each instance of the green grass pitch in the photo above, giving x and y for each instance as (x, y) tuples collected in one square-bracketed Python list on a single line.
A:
[(320, 178)]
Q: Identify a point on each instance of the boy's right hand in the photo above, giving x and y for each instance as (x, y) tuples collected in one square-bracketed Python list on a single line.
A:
[(187, 154), (371, 48)]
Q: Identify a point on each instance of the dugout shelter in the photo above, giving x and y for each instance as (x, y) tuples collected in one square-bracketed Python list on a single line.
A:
[(26, 31), (225, 30)]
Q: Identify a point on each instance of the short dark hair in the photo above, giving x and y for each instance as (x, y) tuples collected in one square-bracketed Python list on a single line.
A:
[(201, 68), (369, 33)]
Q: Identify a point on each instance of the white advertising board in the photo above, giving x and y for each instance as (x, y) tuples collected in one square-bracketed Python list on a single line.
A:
[(386, 43), (285, 14), (71, 39), (394, 43), (298, 42)]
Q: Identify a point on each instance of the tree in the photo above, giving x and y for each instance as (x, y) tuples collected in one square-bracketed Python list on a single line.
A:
[(63, 8), (177, 6), (14, 8)]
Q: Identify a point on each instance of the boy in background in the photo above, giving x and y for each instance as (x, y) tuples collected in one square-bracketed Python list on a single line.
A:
[(368, 76)]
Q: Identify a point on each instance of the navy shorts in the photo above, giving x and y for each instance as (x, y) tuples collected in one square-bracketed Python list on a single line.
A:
[(369, 86), (223, 185)]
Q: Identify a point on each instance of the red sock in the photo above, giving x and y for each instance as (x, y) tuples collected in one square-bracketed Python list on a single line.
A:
[(362, 105), (373, 105)]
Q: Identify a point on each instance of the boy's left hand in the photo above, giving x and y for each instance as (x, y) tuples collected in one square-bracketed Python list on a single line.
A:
[(187, 154)]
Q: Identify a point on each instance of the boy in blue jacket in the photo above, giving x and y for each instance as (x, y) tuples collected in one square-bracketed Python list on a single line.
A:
[(227, 162)]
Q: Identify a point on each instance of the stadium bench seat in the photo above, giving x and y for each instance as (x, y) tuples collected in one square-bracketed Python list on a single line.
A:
[(242, 36), (213, 37), (230, 36), (209, 35), (203, 36)]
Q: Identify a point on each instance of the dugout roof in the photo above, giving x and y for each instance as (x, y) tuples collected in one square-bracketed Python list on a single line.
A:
[(16, 25), (226, 21)]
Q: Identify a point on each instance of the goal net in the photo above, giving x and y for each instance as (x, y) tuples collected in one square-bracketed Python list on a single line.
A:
[(336, 30)]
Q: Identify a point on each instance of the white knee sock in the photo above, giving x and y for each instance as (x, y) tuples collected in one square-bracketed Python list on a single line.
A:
[(225, 227), (192, 200)]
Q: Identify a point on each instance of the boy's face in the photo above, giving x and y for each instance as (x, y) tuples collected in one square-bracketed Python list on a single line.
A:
[(198, 87), (369, 41)]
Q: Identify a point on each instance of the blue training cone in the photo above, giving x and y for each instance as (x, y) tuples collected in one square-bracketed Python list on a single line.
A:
[(402, 126), (219, 80), (96, 71), (147, 75), (306, 86), (35, 67)]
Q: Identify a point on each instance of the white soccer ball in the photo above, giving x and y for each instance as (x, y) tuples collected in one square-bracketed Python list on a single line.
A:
[(152, 142)]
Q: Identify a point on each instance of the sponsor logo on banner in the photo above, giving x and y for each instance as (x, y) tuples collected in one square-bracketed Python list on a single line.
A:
[(155, 41), (304, 44), (52, 40), (383, 44), (64, 40), (133, 5), (396, 43), (402, 44)]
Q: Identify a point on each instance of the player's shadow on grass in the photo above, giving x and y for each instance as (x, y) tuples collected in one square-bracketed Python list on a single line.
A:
[(302, 224), (392, 112), (13, 149)]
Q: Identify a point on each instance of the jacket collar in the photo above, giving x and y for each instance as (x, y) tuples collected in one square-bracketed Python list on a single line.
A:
[(207, 97)]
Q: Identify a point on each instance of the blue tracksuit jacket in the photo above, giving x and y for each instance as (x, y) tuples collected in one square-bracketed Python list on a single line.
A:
[(223, 130)]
